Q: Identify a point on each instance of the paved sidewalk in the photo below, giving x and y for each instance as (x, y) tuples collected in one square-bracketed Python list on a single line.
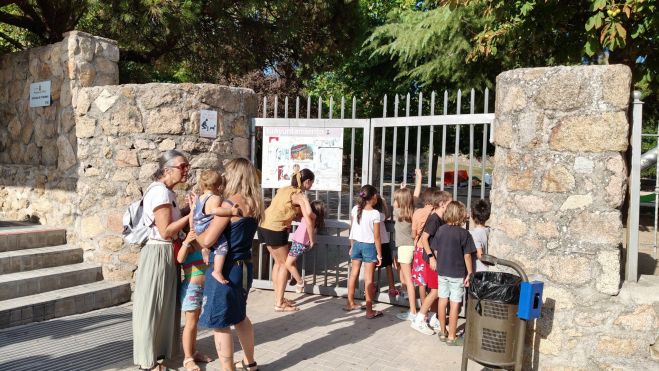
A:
[(319, 337)]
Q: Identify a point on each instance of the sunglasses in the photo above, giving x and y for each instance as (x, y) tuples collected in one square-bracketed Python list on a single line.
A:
[(182, 167)]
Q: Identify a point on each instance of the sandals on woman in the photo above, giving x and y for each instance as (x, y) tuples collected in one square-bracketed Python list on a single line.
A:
[(190, 364), (246, 367), (286, 307)]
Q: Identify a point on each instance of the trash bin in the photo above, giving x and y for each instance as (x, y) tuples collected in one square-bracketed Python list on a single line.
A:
[(491, 336)]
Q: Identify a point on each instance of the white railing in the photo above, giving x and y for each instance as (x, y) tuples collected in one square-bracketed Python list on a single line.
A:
[(631, 266), (326, 268)]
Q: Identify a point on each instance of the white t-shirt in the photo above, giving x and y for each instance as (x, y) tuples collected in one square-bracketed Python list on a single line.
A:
[(363, 231), (480, 235), (155, 196)]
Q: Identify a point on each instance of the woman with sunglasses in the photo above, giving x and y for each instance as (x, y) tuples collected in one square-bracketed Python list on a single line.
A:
[(155, 315)]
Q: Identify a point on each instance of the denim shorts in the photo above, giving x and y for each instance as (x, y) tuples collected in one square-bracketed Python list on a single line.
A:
[(451, 288), (191, 296), (366, 252)]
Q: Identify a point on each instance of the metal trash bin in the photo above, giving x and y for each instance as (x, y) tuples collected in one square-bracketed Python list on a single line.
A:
[(494, 334), (491, 336)]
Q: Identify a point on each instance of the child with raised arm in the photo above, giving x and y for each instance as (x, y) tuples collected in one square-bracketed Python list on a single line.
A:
[(480, 213), (366, 247), (304, 238), (418, 220), (453, 246), (440, 200)]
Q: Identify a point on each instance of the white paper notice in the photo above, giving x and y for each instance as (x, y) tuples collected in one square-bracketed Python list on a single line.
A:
[(317, 149), (40, 94), (208, 124)]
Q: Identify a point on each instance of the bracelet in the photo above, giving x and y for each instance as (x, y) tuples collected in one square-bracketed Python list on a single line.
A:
[(185, 244)]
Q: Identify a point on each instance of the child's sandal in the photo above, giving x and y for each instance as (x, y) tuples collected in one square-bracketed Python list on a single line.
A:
[(443, 336), (242, 366), (190, 364), (299, 288)]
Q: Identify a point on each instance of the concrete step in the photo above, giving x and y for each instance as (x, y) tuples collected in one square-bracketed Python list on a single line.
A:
[(14, 285), (30, 237), (63, 302), (42, 257)]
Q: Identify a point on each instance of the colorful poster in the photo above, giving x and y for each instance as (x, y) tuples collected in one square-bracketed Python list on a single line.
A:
[(317, 149)]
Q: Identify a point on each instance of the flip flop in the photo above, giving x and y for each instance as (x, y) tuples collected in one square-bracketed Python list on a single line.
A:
[(375, 315), (356, 307)]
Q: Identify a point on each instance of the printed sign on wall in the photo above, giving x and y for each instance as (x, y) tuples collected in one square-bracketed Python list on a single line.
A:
[(208, 124), (40, 94), (317, 149)]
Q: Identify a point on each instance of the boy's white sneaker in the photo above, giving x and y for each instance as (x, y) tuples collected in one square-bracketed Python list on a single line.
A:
[(420, 325), (405, 316), (434, 322)]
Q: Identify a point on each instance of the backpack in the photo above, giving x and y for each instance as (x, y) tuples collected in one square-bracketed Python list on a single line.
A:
[(136, 230)]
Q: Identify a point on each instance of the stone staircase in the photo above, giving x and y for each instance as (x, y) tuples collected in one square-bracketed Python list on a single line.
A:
[(41, 277)]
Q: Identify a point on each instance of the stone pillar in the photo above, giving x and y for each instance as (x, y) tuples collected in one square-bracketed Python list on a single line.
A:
[(559, 182)]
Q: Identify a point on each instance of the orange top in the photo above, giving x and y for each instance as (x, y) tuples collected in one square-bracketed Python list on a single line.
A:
[(419, 219)]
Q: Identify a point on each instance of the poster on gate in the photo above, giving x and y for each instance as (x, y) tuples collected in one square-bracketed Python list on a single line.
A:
[(317, 149)]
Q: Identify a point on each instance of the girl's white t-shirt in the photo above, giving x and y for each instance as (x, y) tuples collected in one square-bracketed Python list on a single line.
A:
[(363, 231), (158, 195)]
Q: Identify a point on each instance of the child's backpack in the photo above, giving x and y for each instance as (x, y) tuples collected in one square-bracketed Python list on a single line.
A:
[(136, 229)]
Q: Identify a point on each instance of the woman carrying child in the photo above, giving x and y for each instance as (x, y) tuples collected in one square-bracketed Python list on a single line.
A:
[(365, 247), (304, 237), (206, 206), (225, 304), (275, 227)]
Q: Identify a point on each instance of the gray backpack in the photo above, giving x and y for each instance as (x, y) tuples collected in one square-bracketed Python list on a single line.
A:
[(136, 227)]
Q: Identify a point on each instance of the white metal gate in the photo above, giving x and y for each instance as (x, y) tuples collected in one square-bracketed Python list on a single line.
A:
[(326, 267)]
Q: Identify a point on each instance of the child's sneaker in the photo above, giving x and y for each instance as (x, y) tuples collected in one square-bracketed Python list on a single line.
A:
[(405, 316), (434, 322), (420, 325)]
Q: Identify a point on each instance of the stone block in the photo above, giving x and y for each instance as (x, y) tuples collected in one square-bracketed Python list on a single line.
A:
[(225, 98), (66, 158), (577, 202), (557, 179), (520, 180), (240, 146), (105, 100), (546, 229), (616, 83), (86, 74), (567, 269), (85, 127), (597, 227), (158, 95), (597, 132), (124, 120), (533, 204), (91, 226), (513, 227), (619, 346), (643, 318), (565, 89), (167, 145), (126, 158), (608, 281), (583, 165), (112, 243), (164, 120)]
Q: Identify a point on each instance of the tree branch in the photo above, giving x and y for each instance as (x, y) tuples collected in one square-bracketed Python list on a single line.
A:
[(12, 41)]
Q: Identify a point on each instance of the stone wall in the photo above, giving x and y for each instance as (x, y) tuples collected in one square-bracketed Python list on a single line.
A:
[(38, 145), (122, 130), (559, 182)]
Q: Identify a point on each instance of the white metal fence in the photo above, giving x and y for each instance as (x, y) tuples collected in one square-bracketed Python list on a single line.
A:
[(429, 139)]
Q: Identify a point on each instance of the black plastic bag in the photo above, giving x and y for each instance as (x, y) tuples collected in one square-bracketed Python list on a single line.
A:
[(499, 287)]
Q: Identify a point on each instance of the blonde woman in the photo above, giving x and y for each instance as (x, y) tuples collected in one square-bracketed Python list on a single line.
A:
[(225, 304)]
